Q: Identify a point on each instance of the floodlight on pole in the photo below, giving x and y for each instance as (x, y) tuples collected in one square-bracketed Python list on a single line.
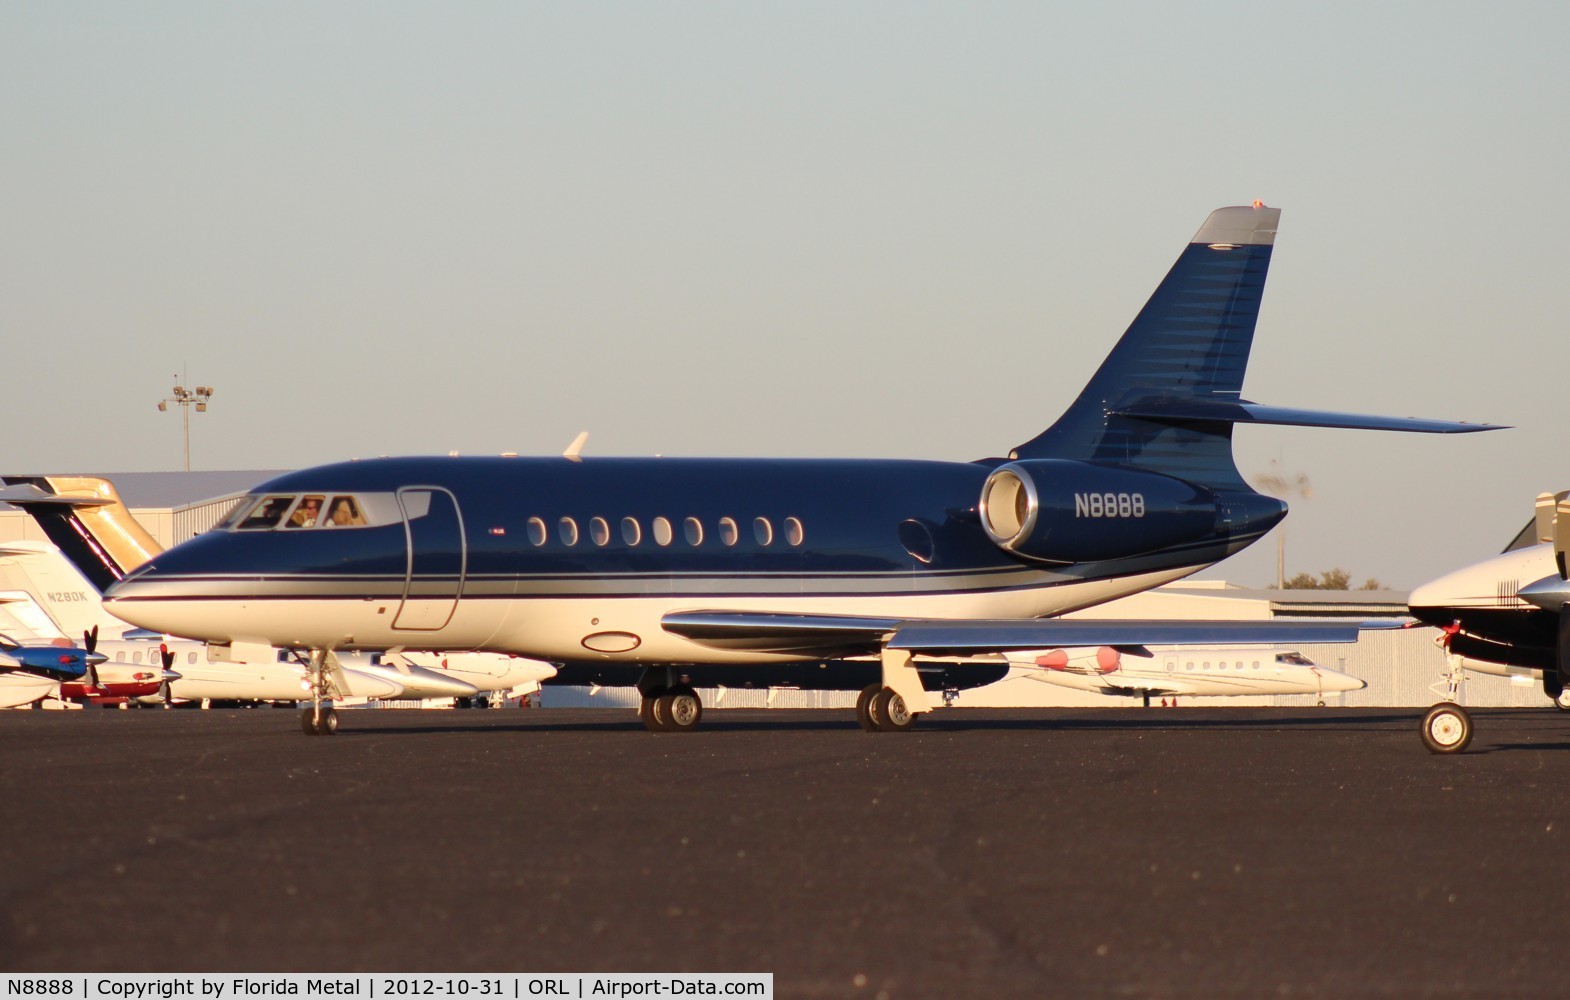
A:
[(185, 399)]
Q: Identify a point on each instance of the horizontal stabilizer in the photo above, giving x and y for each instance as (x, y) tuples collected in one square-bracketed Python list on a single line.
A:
[(27, 493), (782, 633), (1186, 411)]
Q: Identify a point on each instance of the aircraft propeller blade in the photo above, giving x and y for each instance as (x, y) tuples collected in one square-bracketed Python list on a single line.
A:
[(1561, 532), (166, 656), (90, 645), (1562, 647)]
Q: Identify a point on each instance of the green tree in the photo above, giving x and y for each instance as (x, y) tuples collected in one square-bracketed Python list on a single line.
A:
[(1330, 579)]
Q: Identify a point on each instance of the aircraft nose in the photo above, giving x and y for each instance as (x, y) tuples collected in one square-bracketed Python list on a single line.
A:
[(1335, 680)]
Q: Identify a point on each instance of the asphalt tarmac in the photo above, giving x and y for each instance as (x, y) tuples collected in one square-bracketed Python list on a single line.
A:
[(1188, 852)]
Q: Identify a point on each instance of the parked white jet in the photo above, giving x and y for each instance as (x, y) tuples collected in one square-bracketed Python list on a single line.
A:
[(1183, 670)]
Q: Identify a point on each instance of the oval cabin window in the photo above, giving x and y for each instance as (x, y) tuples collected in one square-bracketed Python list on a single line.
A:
[(662, 531)]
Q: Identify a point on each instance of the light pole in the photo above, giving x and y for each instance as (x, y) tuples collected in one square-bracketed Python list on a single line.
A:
[(184, 398)]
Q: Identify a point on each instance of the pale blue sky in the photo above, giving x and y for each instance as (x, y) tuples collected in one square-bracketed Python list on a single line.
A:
[(889, 230)]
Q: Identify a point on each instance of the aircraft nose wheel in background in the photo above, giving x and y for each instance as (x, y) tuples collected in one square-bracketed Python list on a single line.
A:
[(1562, 701), (326, 725), (1447, 728)]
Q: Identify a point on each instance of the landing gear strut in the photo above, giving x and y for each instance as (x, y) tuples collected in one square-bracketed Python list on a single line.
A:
[(320, 719), (1447, 728)]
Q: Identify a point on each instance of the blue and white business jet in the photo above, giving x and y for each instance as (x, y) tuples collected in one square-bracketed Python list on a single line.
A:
[(657, 563)]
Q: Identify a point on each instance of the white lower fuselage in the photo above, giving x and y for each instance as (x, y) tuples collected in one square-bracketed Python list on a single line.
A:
[(611, 628)]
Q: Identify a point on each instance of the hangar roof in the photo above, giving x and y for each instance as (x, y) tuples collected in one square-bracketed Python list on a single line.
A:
[(172, 490)]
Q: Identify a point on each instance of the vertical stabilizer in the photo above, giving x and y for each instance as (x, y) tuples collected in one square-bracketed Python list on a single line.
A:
[(85, 517), (1190, 342)]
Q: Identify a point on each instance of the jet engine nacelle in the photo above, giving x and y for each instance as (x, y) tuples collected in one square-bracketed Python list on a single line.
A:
[(1058, 511)]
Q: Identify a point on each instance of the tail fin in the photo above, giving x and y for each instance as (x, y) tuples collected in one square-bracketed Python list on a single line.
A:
[(56, 587), (85, 517), (1166, 398), (1191, 341)]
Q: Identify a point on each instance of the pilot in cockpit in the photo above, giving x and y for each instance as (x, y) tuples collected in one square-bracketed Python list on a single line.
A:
[(304, 516)]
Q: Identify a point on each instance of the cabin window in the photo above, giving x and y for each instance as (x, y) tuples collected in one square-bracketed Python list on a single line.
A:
[(266, 514), (567, 531), (537, 531), (794, 533), (692, 530), (120, 656), (136, 657), (631, 533), (307, 513), (1189, 665), (662, 531), (728, 531), (762, 531), (599, 531), (1256, 664), (191, 656)]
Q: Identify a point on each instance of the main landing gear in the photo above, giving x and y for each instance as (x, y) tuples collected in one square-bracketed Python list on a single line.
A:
[(892, 706), (668, 704), (880, 710)]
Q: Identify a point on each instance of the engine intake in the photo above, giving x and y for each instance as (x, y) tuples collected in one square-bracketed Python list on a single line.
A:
[(1058, 511)]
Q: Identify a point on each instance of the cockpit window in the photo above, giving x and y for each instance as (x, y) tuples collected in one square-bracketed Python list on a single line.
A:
[(313, 510), (344, 512), (1296, 658), (307, 513), (266, 514)]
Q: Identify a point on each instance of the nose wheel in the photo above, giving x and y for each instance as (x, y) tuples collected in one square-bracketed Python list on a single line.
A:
[(319, 722), (1447, 728)]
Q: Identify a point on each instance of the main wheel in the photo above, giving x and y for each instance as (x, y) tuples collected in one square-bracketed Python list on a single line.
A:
[(892, 713), (308, 722), (863, 707), (329, 724), (648, 711), (681, 710), (1447, 728)]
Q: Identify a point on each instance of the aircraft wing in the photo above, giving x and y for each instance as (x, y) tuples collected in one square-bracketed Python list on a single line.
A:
[(795, 633)]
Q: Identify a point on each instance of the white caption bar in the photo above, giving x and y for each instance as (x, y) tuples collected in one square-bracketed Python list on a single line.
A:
[(382, 985)]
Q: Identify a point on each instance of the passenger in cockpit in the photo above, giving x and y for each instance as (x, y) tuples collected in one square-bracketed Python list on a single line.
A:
[(344, 512)]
